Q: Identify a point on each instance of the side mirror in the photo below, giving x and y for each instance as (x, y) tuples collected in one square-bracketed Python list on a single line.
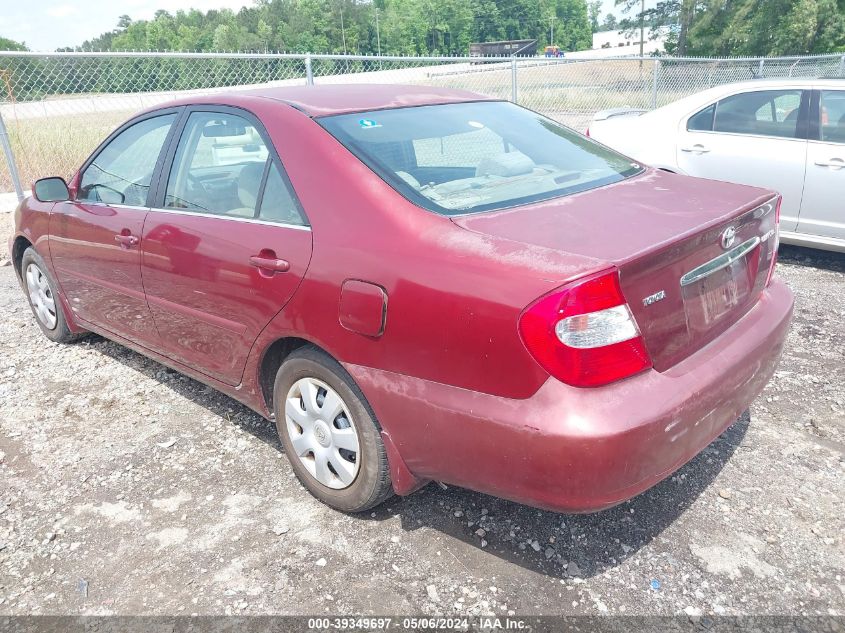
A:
[(51, 190)]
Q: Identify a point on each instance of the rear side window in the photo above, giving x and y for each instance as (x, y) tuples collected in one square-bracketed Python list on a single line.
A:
[(218, 167), (832, 115), (762, 113), (121, 172), (278, 203), (466, 157), (702, 121)]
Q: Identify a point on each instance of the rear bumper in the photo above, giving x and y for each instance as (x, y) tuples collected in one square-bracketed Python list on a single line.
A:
[(581, 450)]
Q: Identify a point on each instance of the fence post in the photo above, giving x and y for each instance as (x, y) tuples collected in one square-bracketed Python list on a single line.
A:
[(10, 159), (655, 83), (309, 75), (842, 66), (513, 79), (760, 70)]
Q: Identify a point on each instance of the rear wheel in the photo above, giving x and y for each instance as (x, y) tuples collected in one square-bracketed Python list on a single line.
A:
[(329, 433), (43, 297)]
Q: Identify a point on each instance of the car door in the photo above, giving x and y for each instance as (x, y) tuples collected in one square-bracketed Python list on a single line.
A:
[(226, 244), (95, 237), (758, 137), (822, 209)]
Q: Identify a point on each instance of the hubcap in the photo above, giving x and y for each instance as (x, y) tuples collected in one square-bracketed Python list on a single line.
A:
[(322, 433), (41, 297)]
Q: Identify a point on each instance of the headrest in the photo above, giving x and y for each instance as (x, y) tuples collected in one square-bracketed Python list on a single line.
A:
[(509, 164), (249, 181)]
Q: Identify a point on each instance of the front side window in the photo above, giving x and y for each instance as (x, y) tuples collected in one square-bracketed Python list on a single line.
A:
[(218, 167), (121, 172), (466, 157), (832, 115), (762, 113)]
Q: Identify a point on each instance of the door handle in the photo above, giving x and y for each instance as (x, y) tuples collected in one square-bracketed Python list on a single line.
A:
[(270, 263), (698, 149), (836, 163), (126, 240)]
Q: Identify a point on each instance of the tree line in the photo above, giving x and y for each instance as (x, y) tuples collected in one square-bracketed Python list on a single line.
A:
[(395, 27), (447, 27)]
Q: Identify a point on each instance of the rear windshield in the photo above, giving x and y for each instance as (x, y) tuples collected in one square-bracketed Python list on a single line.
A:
[(467, 157)]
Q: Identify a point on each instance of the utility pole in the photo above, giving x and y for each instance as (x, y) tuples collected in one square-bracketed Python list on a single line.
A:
[(343, 31), (378, 37), (551, 29), (642, 26)]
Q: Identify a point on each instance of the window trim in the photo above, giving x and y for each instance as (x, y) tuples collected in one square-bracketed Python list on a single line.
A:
[(165, 165), (177, 110), (802, 125), (232, 218)]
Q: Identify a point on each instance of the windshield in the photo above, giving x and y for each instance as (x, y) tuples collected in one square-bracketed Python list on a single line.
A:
[(465, 157)]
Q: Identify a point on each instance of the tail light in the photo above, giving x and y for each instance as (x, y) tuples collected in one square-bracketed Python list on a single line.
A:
[(584, 334), (775, 243), (587, 133)]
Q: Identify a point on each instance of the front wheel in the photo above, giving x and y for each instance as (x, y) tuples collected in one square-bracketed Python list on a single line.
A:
[(43, 298), (329, 433)]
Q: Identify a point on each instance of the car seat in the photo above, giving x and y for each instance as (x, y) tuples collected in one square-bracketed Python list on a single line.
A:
[(249, 182)]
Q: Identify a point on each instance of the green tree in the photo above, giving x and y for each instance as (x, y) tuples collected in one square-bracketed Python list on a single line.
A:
[(594, 10), (11, 45), (609, 23)]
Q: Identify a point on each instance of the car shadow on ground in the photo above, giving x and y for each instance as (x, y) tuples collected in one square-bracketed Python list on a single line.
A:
[(811, 257), (561, 545), (481, 531)]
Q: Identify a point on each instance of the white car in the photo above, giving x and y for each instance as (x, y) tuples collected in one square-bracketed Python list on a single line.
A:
[(787, 135)]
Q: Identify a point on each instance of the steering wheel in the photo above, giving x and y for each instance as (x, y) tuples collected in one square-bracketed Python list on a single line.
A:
[(196, 184), (199, 195)]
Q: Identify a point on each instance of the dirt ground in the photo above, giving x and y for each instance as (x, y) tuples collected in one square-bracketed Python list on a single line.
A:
[(126, 488)]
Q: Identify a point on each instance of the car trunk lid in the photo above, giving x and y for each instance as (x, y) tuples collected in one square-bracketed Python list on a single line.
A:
[(664, 233)]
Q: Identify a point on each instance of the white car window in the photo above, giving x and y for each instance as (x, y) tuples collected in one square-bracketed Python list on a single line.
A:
[(762, 113), (702, 121), (832, 124)]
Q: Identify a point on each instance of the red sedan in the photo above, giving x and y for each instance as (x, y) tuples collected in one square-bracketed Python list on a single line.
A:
[(420, 284)]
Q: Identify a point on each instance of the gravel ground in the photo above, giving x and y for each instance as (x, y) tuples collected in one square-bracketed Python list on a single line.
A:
[(126, 488)]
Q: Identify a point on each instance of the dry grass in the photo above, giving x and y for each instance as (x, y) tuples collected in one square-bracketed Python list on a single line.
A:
[(55, 146)]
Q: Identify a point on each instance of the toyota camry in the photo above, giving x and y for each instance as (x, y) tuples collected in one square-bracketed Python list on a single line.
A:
[(419, 284)]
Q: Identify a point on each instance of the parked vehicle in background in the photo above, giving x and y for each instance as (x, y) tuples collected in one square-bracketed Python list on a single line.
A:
[(786, 135), (553, 51), (522, 48), (419, 284)]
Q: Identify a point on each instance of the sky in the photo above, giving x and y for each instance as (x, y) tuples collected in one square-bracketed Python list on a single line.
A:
[(49, 24), (45, 25)]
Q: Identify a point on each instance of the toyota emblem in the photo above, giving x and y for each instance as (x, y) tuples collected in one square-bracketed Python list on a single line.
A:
[(728, 237)]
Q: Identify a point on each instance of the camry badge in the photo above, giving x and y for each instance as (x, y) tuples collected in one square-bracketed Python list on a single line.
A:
[(728, 237), (657, 296)]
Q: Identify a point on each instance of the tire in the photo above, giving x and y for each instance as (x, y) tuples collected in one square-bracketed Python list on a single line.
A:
[(42, 295), (347, 480)]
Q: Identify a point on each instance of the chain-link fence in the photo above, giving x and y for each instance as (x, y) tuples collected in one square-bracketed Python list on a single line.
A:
[(58, 106)]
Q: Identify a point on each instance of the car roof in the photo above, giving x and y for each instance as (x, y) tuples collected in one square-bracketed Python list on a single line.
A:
[(683, 105), (787, 82), (323, 100)]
